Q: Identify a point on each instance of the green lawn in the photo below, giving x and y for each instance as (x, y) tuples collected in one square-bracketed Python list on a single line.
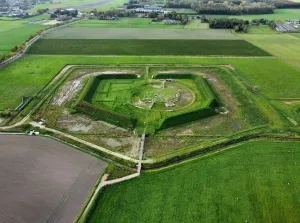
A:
[(145, 47), (253, 182), (284, 46), (28, 75), (282, 14)]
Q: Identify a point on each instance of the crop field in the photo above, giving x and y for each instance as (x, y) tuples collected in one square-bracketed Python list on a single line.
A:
[(104, 5), (69, 3), (283, 46), (14, 37), (159, 32), (13, 33), (282, 14), (124, 23), (257, 180), (197, 24), (28, 75), (44, 180), (260, 30), (145, 47), (296, 34)]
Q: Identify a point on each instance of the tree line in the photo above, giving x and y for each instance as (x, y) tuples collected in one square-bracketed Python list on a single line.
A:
[(237, 24), (232, 9), (103, 15)]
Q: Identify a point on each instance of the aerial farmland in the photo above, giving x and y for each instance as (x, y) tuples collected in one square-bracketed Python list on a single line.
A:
[(149, 111)]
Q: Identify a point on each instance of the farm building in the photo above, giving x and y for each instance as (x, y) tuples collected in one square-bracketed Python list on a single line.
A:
[(285, 28), (149, 8)]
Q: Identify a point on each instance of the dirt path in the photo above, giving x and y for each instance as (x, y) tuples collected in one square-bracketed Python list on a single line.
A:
[(104, 182), (35, 124), (25, 119), (141, 153)]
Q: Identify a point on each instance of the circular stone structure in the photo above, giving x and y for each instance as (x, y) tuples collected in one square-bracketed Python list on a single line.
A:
[(163, 95)]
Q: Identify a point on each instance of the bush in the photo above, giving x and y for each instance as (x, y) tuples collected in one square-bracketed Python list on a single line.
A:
[(5, 114)]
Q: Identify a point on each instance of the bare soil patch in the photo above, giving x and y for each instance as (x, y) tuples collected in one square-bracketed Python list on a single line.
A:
[(42, 180)]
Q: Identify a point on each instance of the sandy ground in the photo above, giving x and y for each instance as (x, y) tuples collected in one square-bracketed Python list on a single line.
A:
[(51, 22), (42, 180)]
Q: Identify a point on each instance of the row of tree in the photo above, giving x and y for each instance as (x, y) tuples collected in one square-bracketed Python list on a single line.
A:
[(103, 15), (283, 4), (232, 9), (233, 6), (183, 19), (237, 24), (226, 23)]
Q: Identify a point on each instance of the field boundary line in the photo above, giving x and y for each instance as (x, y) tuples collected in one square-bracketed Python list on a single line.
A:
[(32, 41), (104, 182), (224, 149)]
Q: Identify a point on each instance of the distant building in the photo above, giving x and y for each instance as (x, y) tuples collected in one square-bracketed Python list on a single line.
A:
[(285, 28), (294, 21), (149, 8)]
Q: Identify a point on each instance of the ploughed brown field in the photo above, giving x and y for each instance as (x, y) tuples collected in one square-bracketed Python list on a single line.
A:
[(42, 180)]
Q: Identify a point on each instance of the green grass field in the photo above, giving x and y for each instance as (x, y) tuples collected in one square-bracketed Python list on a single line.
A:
[(125, 23), (107, 6), (282, 14), (14, 32), (295, 34), (253, 182), (260, 30), (6, 25), (61, 4), (145, 47), (14, 37), (158, 32), (197, 24), (283, 46), (28, 75)]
